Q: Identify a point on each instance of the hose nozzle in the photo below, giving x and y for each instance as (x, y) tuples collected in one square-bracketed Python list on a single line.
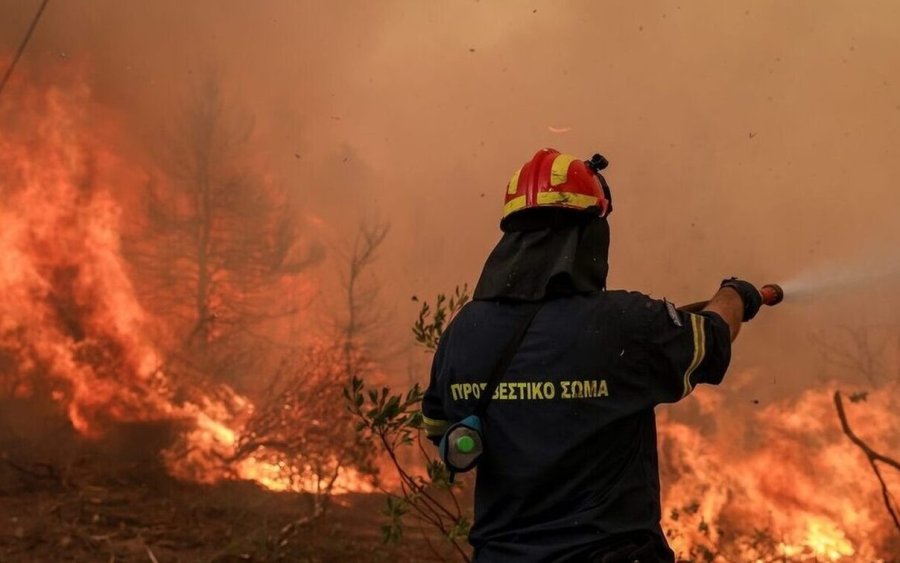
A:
[(772, 294)]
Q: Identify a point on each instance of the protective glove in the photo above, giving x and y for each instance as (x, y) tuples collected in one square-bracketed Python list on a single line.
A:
[(750, 296)]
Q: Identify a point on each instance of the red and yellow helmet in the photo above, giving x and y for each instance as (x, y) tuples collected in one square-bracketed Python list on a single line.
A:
[(551, 179)]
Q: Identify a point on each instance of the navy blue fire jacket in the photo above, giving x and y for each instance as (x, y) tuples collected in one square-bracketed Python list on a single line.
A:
[(570, 471)]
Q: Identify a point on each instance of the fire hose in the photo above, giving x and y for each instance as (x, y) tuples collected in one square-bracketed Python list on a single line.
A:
[(772, 294)]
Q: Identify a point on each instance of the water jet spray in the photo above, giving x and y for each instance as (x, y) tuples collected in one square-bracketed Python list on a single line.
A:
[(827, 280)]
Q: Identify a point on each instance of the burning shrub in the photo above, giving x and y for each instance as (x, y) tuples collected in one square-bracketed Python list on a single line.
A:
[(302, 428)]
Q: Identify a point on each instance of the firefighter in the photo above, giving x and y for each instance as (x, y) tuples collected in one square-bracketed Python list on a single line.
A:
[(565, 437)]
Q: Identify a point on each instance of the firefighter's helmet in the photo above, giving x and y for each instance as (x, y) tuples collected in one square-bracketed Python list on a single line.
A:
[(551, 179)]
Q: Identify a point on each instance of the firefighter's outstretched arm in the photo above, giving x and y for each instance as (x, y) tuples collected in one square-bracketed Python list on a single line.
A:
[(737, 301), (728, 305)]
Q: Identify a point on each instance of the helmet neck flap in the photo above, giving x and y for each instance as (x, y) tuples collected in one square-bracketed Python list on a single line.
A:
[(546, 253)]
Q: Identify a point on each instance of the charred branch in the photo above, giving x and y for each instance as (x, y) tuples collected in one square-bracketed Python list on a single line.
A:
[(873, 458)]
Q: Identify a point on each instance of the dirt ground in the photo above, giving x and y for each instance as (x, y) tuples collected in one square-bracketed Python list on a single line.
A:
[(70, 499)]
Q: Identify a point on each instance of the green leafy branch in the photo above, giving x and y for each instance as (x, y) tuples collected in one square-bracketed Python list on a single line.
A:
[(394, 421), (430, 325)]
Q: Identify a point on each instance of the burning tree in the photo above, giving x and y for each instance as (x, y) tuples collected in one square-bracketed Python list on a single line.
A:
[(228, 242), (219, 240)]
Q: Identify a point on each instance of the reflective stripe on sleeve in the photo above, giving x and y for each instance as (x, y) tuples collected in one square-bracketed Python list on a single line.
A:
[(434, 427), (698, 327)]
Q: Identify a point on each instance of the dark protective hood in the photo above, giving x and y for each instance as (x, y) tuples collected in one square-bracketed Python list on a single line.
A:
[(547, 253)]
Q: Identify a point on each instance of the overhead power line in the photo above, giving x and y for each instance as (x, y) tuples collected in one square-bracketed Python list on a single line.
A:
[(22, 45)]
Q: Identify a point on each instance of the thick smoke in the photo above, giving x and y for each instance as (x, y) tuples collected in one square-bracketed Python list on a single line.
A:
[(746, 138)]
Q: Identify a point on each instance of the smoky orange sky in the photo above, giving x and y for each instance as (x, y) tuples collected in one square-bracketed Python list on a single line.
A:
[(755, 139)]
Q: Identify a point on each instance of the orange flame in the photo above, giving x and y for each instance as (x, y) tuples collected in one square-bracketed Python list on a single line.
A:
[(784, 473), (69, 310)]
